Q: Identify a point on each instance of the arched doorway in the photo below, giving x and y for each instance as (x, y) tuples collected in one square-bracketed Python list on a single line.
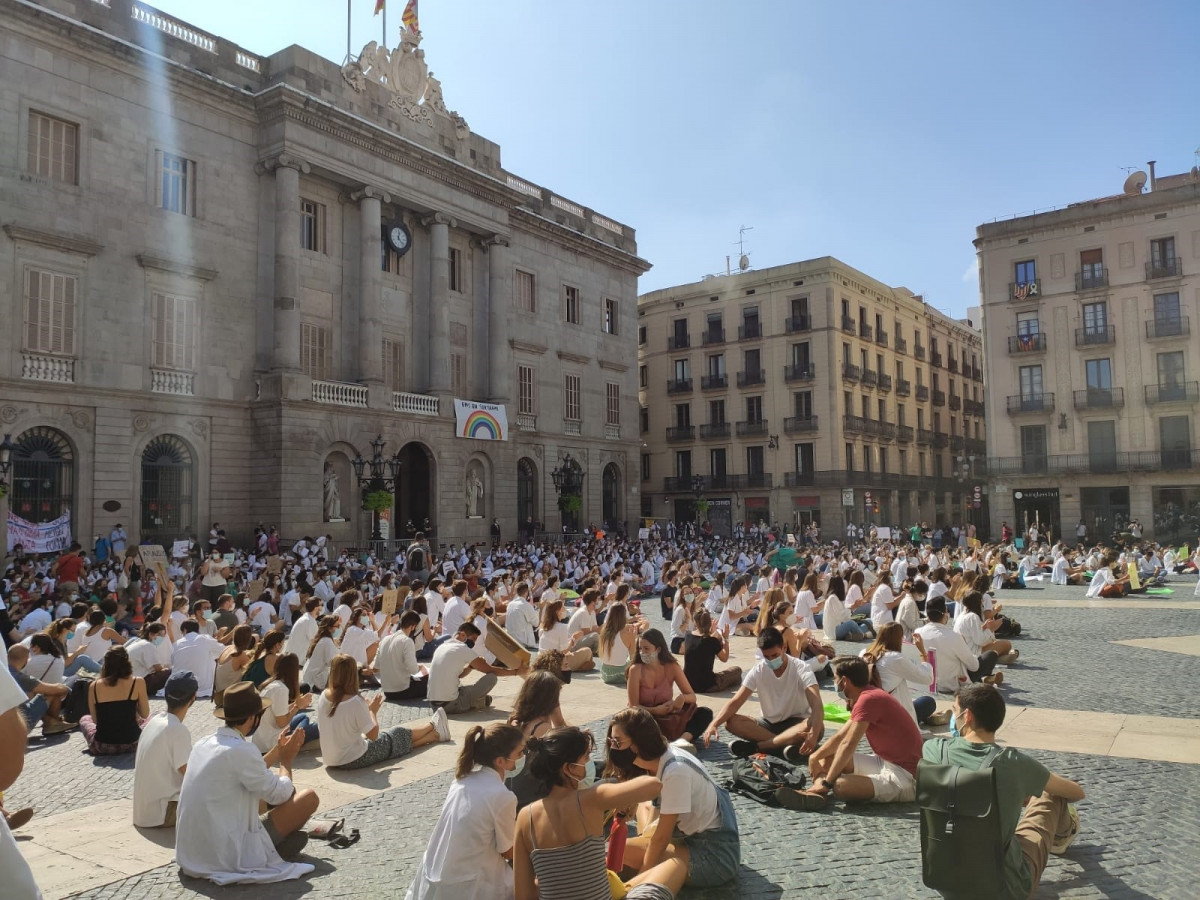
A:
[(527, 497), (414, 497), (43, 475), (611, 505), (167, 487)]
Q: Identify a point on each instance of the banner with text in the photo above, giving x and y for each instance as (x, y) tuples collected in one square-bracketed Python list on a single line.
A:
[(482, 421), (42, 537)]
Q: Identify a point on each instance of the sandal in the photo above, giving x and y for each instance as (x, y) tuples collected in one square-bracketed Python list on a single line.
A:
[(342, 841), (800, 801)]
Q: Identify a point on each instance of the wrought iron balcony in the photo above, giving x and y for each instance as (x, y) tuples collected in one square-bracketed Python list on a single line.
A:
[(972, 407), (870, 378), (751, 428), (919, 351), (848, 324), (1025, 290), (935, 359), (881, 337), (976, 446), (752, 480), (851, 372), (952, 364), (1168, 326), (922, 392), (679, 385), (1100, 398), (885, 382), (886, 430), (901, 345), (750, 330), (681, 432), (904, 434), (941, 440), (678, 341), (676, 483), (1030, 403), (1095, 337), (752, 377), (1164, 268), (956, 443), (939, 398), (799, 424), (857, 425), (976, 374), (865, 330), (1179, 392), (799, 479), (714, 430), (799, 372), (797, 323), (903, 387), (1027, 343), (714, 335), (714, 382), (1102, 462), (924, 436), (1091, 279), (955, 401)]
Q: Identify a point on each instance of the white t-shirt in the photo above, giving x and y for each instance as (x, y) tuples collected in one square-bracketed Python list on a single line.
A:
[(260, 616), (781, 695), (316, 669), (880, 614), (908, 615), (854, 597), (342, 732), (301, 636), (455, 613), (805, 601), (953, 658), (197, 653), (1059, 575), (449, 660), (521, 622), (143, 655), (18, 879), (268, 732), (556, 638), (396, 662), (1101, 579), (970, 627), (162, 750), (580, 619), (687, 793), (357, 641)]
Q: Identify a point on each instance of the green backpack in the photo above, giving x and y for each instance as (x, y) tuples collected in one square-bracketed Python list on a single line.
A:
[(962, 849)]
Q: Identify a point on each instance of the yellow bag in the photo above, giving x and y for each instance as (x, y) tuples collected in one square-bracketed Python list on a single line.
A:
[(616, 885)]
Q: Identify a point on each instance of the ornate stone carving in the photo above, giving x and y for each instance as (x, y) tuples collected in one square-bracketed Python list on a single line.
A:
[(200, 427), (80, 418), (8, 414), (538, 451), (141, 423)]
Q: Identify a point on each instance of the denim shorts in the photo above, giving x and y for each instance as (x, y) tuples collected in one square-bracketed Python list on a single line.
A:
[(715, 857)]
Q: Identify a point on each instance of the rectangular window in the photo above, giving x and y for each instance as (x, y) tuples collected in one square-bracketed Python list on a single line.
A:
[(571, 304), (717, 465), (1025, 272), (315, 348), (457, 272), (49, 312), (645, 467), (683, 415), (754, 409), (53, 148), (1099, 374), (524, 287), (716, 412), (312, 226), (1166, 311), (849, 457), (176, 184), (1033, 445), (1031, 382), (612, 396), (641, 335), (611, 316), (754, 460), (683, 369), (716, 365), (1091, 268), (802, 403), (683, 463), (526, 399), (921, 464), (1170, 372), (806, 457), (1162, 253), (571, 405), (1028, 324), (1175, 441), (643, 419), (883, 460), (1095, 318), (393, 364), (866, 458), (174, 329), (458, 374), (643, 376), (1102, 444)]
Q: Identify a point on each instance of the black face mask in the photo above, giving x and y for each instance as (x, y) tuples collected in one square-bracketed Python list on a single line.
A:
[(257, 722), (622, 759), (470, 643)]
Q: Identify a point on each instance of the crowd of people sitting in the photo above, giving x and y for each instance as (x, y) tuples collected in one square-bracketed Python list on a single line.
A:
[(282, 645)]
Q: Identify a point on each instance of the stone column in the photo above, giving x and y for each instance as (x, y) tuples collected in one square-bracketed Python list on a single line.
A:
[(287, 263), (499, 304), (370, 324), (438, 334)]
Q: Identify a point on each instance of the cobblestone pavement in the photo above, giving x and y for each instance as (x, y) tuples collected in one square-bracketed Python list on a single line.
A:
[(1138, 821)]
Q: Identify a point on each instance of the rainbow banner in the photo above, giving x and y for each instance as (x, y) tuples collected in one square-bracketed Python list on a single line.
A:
[(482, 421)]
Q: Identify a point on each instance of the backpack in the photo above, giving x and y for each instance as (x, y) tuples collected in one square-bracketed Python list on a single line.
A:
[(962, 849), (75, 706), (416, 559), (759, 776)]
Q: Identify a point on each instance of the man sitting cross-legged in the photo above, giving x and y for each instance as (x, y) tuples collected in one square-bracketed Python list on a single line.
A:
[(793, 717)]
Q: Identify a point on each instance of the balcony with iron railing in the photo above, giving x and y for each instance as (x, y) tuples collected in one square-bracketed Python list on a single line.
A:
[(679, 385), (903, 387), (870, 378), (972, 407), (939, 398), (1164, 268), (904, 434), (924, 436), (681, 433), (885, 382), (1091, 279), (919, 351), (1100, 398), (1030, 403), (675, 483), (1096, 336), (799, 424), (1178, 392), (751, 377), (752, 428), (679, 341), (865, 331), (1025, 290), (851, 372), (857, 425), (794, 324), (1027, 343), (922, 393), (955, 401), (714, 430), (941, 440), (956, 443), (976, 446), (750, 330), (1168, 327), (714, 335), (751, 481), (881, 337), (799, 479), (952, 364), (848, 324), (886, 430), (976, 373), (1096, 462), (714, 382), (799, 372), (719, 482), (935, 359), (901, 345)]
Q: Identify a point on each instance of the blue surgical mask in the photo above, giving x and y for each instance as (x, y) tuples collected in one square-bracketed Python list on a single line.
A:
[(158, 641), (518, 768), (589, 776), (337, 633), (208, 615), (776, 664), (954, 726)]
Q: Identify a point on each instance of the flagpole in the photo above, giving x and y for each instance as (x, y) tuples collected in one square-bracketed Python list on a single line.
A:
[(347, 30), (385, 25)]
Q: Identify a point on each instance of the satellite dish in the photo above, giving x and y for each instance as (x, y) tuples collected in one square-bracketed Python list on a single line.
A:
[(744, 262), (1136, 182)]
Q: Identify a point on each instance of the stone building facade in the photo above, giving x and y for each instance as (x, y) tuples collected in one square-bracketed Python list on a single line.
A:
[(222, 275), (807, 392)]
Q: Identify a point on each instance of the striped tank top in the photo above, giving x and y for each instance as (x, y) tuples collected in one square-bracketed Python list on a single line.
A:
[(574, 872)]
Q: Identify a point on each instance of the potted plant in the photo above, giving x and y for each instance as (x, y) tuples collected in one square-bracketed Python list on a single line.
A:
[(570, 503), (377, 501)]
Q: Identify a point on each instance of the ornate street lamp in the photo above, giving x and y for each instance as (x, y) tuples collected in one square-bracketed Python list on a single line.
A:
[(6, 450), (383, 477)]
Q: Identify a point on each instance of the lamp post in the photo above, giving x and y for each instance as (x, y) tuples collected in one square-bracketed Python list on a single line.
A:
[(6, 450), (375, 475), (966, 464), (568, 482)]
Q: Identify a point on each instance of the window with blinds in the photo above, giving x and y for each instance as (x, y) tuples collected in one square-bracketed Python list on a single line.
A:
[(50, 312), (53, 148), (174, 341), (393, 364), (571, 398), (612, 394), (458, 374), (315, 344), (525, 396), (524, 286)]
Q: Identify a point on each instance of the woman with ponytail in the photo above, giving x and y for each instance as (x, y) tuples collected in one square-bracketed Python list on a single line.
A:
[(560, 838), (465, 858)]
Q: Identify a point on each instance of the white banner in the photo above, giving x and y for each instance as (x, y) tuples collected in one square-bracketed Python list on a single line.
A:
[(43, 537), (482, 421)]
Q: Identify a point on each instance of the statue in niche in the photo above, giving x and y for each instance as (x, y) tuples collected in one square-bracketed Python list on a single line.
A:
[(333, 499), (474, 492)]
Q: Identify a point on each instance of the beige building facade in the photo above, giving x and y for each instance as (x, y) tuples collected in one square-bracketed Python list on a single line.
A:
[(222, 275), (808, 392), (1093, 365)]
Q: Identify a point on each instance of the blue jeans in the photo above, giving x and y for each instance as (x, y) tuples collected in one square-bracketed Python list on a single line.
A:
[(82, 662), (301, 720), (34, 710), (925, 706), (848, 630), (425, 654)]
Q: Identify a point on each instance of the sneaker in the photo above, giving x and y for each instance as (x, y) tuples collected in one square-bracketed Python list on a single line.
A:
[(941, 717), (292, 845), (684, 745), (441, 724), (994, 678), (800, 801), (1010, 657), (792, 754), (743, 748), (19, 818), (1060, 844), (57, 726)]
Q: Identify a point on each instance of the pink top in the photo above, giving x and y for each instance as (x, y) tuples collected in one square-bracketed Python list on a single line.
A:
[(660, 693)]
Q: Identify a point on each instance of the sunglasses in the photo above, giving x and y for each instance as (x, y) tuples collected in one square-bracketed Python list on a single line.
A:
[(614, 742)]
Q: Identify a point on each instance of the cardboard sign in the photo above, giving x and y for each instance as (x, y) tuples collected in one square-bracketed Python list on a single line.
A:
[(153, 557), (390, 599), (643, 534), (255, 588), (504, 647), (883, 532), (230, 559), (274, 565), (181, 549)]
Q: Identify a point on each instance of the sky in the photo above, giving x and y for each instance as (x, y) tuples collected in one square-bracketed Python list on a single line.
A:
[(881, 133)]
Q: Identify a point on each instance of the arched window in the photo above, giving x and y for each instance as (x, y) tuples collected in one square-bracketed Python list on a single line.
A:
[(43, 475), (167, 485), (527, 504)]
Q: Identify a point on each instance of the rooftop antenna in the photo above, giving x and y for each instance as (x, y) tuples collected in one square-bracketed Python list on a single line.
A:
[(743, 256)]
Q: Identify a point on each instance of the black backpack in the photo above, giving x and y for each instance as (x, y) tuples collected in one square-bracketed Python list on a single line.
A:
[(416, 559), (759, 776), (962, 848)]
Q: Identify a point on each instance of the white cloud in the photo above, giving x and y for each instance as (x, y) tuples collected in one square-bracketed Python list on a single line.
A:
[(972, 273)]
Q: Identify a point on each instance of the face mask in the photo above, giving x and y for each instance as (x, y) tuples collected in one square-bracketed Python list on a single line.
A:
[(337, 633), (791, 619), (364, 621), (518, 768), (954, 726), (776, 664), (622, 759), (649, 658), (588, 778), (208, 614), (470, 643), (157, 641), (841, 694)]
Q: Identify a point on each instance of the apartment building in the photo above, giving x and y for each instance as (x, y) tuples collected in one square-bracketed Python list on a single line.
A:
[(807, 392), (1091, 364)]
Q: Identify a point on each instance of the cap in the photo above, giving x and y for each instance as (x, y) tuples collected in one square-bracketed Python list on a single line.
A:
[(181, 686), (241, 702)]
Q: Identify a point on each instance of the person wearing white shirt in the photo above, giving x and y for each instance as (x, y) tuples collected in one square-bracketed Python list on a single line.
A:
[(261, 612), (907, 612), (898, 673), (300, 637), (323, 590), (162, 756), (521, 619), (197, 653), (361, 639), (18, 878), (457, 611), (883, 602), (320, 653), (289, 606), (220, 834), (400, 675), (435, 604), (583, 620), (978, 636), (37, 619), (453, 658)]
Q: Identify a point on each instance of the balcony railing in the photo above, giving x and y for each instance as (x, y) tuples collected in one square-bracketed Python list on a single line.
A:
[(904, 434), (870, 378), (1100, 398), (751, 377), (675, 483), (572, 426), (886, 430), (848, 324), (919, 351), (1103, 462), (939, 398), (1095, 337), (922, 392), (956, 443), (901, 345), (749, 331), (903, 387), (976, 446), (168, 381), (924, 436), (679, 341), (1091, 279), (799, 479), (865, 331), (526, 422), (976, 373), (681, 432), (57, 369), (851, 372), (612, 432), (885, 382), (797, 323), (955, 401), (881, 337), (857, 425), (935, 359), (940, 440), (1025, 290), (339, 393), (679, 385), (799, 372), (1183, 392), (427, 405), (714, 430), (753, 480), (1164, 268), (714, 336), (1168, 326), (714, 382), (1030, 403), (952, 365), (752, 428), (799, 424), (972, 407), (1027, 343)]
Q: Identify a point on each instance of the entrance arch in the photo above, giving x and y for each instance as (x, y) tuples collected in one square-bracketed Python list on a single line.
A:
[(168, 479), (416, 491), (611, 506), (527, 495), (43, 475)]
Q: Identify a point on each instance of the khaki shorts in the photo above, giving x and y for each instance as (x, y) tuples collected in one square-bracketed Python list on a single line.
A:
[(893, 783)]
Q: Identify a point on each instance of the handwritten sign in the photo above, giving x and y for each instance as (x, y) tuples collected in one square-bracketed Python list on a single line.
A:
[(153, 558), (181, 549), (390, 599), (274, 565), (255, 588)]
